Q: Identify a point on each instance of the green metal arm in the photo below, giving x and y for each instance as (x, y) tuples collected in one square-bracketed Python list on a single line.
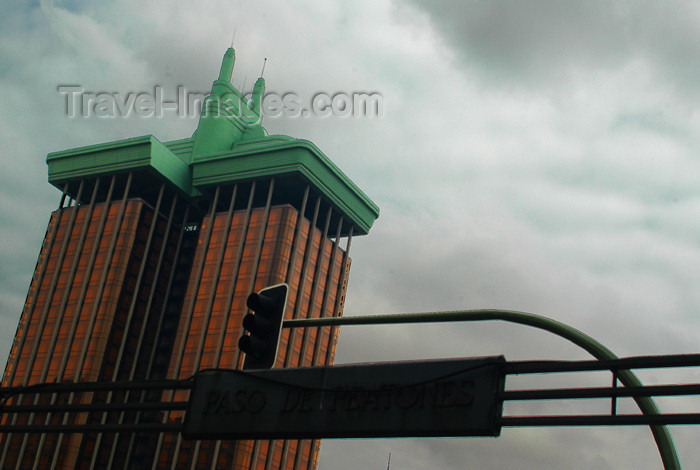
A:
[(661, 433)]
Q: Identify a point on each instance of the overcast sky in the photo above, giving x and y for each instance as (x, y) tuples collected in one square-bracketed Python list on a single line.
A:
[(541, 156)]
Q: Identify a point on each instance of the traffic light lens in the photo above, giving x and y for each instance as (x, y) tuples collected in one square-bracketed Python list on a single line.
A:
[(248, 346), (258, 302), (258, 324), (263, 327)]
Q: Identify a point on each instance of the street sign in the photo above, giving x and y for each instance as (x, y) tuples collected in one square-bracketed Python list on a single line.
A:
[(454, 397)]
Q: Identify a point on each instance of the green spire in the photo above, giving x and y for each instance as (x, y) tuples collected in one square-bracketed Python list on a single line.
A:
[(259, 91), (229, 146), (227, 65), (227, 117)]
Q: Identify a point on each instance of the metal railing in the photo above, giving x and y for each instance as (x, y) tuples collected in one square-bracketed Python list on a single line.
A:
[(75, 403), (71, 416)]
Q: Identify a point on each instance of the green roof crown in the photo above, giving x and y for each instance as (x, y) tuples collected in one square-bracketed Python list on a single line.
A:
[(227, 116), (229, 146)]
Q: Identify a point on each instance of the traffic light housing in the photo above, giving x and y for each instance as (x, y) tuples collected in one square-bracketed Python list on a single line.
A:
[(264, 327)]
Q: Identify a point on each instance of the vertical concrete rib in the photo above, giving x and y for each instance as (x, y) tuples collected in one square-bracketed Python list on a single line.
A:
[(59, 321), (290, 274), (297, 308), (312, 302), (171, 277), (212, 295), (337, 310), (197, 280), (302, 282), (258, 253), (326, 295), (127, 327), (314, 290), (232, 285), (103, 278), (100, 289), (11, 367), (292, 262), (339, 299), (229, 301), (261, 239), (153, 290), (164, 306), (45, 314), (79, 306), (10, 373), (239, 260), (215, 281), (297, 235), (52, 288), (188, 322), (253, 278)]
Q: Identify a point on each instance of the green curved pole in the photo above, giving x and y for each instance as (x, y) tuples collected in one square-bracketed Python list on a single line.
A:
[(661, 433)]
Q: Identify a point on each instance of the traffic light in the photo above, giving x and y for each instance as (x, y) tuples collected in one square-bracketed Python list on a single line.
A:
[(264, 327)]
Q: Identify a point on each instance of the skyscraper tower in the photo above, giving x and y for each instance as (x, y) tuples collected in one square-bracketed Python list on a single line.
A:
[(146, 265)]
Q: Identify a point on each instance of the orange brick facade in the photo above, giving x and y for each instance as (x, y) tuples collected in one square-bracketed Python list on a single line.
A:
[(316, 276), (131, 289)]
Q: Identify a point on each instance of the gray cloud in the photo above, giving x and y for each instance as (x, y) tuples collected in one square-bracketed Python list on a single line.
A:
[(545, 42), (537, 156)]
